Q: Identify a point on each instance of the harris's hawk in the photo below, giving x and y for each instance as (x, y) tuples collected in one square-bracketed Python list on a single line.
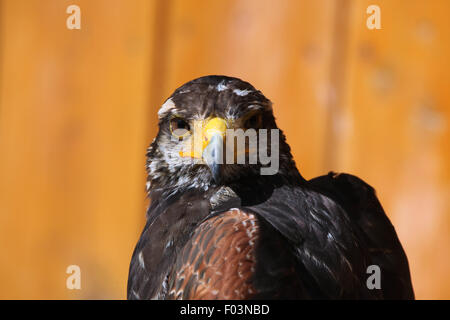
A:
[(223, 230)]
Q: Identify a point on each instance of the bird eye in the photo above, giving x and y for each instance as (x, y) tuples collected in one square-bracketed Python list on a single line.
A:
[(253, 121), (179, 127)]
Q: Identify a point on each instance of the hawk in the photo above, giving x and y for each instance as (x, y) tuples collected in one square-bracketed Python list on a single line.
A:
[(221, 229)]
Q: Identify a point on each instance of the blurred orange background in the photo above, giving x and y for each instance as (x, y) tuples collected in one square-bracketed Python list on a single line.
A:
[(78, 109)]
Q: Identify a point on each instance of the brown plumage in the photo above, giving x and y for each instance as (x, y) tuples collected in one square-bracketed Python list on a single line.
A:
[(218, 261), (226, 231)]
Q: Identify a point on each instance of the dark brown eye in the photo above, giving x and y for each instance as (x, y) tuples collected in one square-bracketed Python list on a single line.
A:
[(179, 127), (253, 121)]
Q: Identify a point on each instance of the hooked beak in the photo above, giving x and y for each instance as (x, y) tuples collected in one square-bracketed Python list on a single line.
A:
[(208, 144), (212, 154)]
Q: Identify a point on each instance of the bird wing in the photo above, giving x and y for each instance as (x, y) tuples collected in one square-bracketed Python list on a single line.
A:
[(328, 256), (236, 255), (363, 208)]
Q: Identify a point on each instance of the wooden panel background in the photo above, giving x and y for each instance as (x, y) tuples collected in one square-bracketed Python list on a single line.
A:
[(78, 108)]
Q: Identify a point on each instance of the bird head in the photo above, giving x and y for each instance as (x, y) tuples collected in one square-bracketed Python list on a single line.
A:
[(212, 132)]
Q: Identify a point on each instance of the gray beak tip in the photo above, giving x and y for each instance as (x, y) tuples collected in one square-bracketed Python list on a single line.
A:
[(213, 156)]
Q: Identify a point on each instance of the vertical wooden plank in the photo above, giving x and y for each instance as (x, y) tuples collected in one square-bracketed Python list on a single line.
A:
[(338, 72), (72, 140), (158, 62), (394, 127)]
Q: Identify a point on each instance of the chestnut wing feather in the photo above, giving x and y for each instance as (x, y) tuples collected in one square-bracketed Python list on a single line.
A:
[(218, 261)]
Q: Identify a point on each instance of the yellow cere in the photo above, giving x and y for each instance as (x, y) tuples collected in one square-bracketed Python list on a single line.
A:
[(202, 131)]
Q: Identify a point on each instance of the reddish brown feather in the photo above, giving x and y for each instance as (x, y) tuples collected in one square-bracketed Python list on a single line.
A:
[(218, 261)]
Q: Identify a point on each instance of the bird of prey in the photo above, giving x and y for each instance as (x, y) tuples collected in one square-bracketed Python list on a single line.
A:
[(221, 229)]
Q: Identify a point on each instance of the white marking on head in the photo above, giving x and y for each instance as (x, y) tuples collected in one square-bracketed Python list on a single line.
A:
[(241, 92), (254, 107), (166, 108), (221, 86)]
